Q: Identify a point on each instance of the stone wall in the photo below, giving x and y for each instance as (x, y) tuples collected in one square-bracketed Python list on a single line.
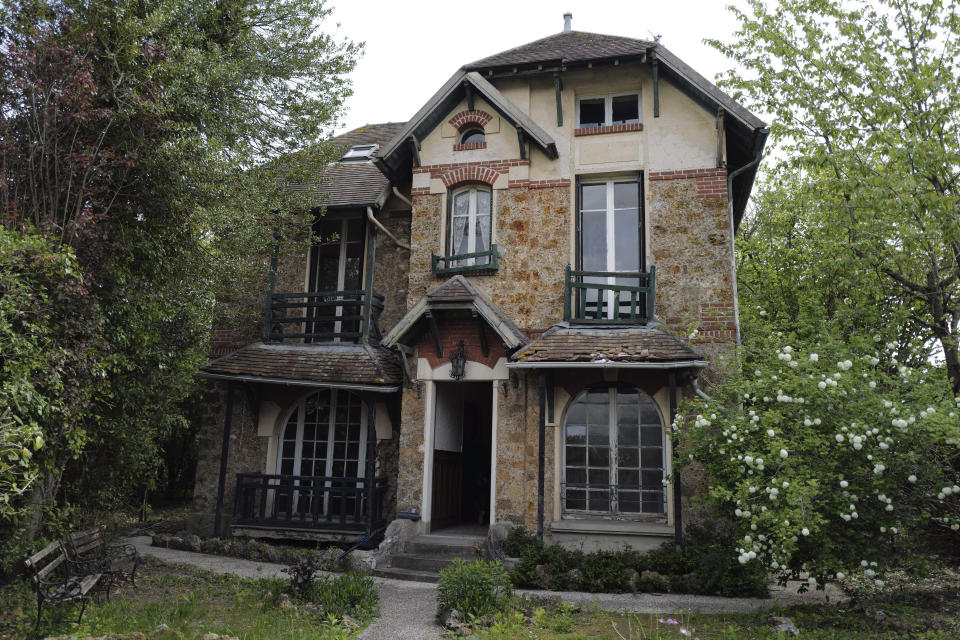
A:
[(410, 451), (532, 226), (389, 273), (248, 453)]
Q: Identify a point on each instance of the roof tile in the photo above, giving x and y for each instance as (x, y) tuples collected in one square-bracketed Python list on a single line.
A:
[(564, 343)]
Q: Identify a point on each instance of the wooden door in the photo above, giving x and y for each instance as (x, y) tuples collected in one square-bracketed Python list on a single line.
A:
[(447, 482)]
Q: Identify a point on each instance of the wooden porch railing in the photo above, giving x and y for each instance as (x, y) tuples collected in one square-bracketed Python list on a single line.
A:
[(323, 316), (609, 297), (466, 262), (309, 502)]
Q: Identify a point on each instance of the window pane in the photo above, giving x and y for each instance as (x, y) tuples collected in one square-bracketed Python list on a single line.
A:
[(591, 112), (576, 414), (472, 136), (627, 414), (594, 197), (628, 501), (461, 203), (599, 500), (627, 436), (651, 457), (594, 241), (627, 226), (628, 457), (651, 436), (576, 476), (576, 434), (628, 479), (576, 499), (652, 479), (626, 195), (626, 109), (599, 456)]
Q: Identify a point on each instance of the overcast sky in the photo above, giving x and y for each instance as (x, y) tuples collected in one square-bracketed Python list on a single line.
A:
[(414, 46)]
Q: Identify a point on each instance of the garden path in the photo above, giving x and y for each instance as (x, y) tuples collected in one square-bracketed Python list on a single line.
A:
[(407, 609)]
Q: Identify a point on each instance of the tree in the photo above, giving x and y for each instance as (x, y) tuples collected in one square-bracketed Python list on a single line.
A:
[(866, 106), (150, 141)]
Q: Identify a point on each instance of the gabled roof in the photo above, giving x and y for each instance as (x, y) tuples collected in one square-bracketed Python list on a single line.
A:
[(396, 155), (746, 133), (455, 293), (318, 365), (569, 46), (354, 184), (639, 346)]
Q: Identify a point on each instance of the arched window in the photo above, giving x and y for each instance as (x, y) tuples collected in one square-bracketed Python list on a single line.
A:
[(323, 440), (470, 224), (614, 453), (472, 135)]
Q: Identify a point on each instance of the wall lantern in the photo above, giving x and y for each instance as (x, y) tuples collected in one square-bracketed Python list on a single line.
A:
[(458, 362)]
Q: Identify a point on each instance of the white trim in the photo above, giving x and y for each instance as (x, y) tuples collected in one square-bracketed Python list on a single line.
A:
[(674, 364), (429, 414), (473, 371), (494, 413), (608, 106)]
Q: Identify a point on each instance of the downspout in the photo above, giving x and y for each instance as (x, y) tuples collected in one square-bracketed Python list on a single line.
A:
[(697, 390), (733, 255), (402, 197), (541, 454), (379, 225)]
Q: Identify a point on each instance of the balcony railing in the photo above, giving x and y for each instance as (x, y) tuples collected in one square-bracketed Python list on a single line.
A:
[(309, 502), (323, 316), (465, 262), (609, 297)]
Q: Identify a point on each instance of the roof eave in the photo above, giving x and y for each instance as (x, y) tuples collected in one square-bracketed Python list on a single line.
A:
[(560, 364)]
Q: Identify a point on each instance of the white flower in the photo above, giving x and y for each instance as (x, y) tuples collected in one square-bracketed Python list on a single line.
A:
[(762, 312), (874, 361), (869, 573), (864, 563), (783, 453), (787, 349), (844, 484), (821, 385), (814, 357), (807, 422), (805, 531), (812, 581), (893, 529), (873, 385), (911, 478), (838, 438), (878, 582), (770, 432), (841, 575)]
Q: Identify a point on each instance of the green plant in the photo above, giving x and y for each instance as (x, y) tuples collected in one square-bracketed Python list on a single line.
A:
[(303, 573), (353, 594), (519, 542), (475, 589)]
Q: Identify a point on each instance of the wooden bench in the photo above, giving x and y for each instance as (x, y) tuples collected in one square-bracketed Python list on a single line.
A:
[(57, 579), (89, 550)]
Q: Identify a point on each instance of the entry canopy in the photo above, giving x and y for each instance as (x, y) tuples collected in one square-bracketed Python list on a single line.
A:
[(455, 293)]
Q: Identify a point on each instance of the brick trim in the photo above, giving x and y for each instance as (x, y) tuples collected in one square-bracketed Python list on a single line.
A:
[(538, 184), (463, 118), (711, 183), (469, 146), (613, 128), (486, 171), (718, 323)]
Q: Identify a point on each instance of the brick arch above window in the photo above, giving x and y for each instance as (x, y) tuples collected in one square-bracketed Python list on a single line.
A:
[(474, 173), (468, 117)]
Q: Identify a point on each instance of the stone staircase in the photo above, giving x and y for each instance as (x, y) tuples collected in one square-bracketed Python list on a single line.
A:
[(423, 556)]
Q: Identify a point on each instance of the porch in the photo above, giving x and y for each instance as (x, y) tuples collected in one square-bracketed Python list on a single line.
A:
[(298, 506)]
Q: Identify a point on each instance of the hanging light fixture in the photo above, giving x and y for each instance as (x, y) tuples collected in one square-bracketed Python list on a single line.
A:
[(458, 362)]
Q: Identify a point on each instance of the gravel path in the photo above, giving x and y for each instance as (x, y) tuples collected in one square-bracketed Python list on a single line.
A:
[(407, 609)]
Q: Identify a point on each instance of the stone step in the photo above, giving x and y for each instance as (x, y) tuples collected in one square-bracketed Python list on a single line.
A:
[(455, 546), (406, 574), (422, 562)]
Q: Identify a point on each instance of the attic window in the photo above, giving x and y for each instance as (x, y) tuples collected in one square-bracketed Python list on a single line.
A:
[(472, 136), (360, 153), (597, 112)]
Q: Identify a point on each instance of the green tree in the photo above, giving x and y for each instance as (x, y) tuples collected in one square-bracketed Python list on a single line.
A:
[(151, 141), (866, 106)]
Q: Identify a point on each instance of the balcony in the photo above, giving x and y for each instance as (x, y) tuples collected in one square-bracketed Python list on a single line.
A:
[(609, 297), (465, 263), (312, 503), (323, 316)]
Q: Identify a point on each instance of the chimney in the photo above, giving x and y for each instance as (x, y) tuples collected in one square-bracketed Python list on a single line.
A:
[(567, 17)]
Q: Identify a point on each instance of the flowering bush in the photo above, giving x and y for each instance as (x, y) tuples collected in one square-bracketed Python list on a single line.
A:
[(828, 458)]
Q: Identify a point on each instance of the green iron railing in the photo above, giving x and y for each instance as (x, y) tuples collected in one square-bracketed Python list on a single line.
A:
[(465, 262), (609, 297), (323, 316)]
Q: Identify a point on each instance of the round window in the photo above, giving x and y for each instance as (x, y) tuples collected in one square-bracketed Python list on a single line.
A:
[(472, 136)]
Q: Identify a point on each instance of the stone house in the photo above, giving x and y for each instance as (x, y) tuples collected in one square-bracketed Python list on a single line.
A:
[(515, 289)]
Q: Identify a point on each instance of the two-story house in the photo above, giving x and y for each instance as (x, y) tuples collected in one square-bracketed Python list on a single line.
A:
[(520, 284)]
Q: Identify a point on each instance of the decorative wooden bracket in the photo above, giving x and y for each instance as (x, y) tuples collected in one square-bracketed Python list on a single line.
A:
[(521, 138), (435, 330), (483, 334), (468, 88), (656, 87), (415, 150), (558, 87)]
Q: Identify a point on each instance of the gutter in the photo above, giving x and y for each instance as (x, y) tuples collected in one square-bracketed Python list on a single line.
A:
[(677, 364), (697, 390), (733, 254), (301, 383), (380, 226)]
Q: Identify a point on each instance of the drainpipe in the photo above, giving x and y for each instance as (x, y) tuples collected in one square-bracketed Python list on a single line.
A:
[(402, 197), (733, 255), (380, 226), (541, 454), (697, 390)]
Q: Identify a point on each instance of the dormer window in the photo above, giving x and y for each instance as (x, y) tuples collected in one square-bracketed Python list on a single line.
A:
[(608, 111), (473, 135), (360, 153)]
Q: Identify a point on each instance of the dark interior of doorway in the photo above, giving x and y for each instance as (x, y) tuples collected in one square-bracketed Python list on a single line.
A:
[(466, 476)]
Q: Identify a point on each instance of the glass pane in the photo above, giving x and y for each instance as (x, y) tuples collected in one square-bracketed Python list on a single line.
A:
[(599, 477), (651, 457), (626, 195), (599, 500), (594, 197), (626, 225), (599, 456), (591, 113), (576, 457), (576, 499), (627, 436), (576, 434), (628, 501), (594, 241), (628, 457), (597, 416), (471, 137), (651, 435), (289, 448), (576, 414), (576, 476), (649, 413), (652, 479), (461, 203), (627, 414), (626, 109), (628, 479), (483, 201), (599, 434)]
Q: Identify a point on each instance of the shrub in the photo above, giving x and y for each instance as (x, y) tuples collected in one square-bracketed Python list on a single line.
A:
[(351, 593), (518, 542), (475, 589), (828, 459)]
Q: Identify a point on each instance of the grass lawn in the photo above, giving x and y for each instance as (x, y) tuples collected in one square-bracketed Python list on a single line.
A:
[(188, 600)]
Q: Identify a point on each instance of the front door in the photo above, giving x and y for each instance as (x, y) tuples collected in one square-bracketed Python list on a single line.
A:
[(461, 456), (336, 265)]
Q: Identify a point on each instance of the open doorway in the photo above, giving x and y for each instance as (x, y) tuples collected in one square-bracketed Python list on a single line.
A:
[(461, 457)]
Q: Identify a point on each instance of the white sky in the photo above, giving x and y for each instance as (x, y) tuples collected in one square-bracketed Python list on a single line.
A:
[(414, 46)]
